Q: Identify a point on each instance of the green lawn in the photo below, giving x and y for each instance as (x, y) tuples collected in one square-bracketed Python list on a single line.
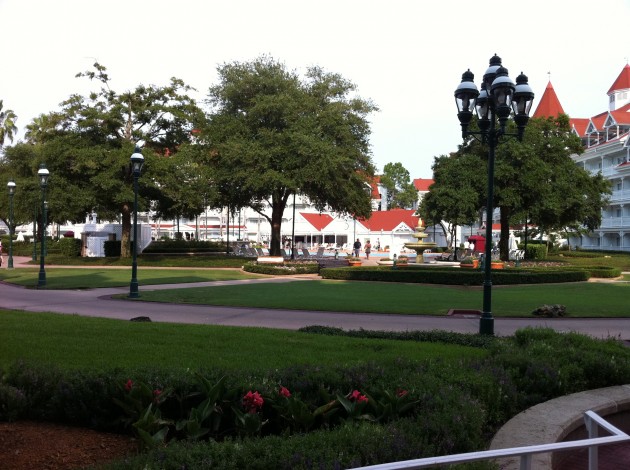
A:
[(74, 342), (581, 299), (87, 278)]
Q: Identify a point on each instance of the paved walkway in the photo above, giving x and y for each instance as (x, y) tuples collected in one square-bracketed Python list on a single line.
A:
[(98, 303)]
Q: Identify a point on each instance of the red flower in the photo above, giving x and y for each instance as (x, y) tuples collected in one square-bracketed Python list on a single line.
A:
[(284, 392), (400, 393), (129, 385), (252, 401), (356, 396)]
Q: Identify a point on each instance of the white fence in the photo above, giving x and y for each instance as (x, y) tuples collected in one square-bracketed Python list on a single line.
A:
[(592, 422)]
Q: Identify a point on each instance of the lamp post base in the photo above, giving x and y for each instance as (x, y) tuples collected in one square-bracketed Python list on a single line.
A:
[(41, 281), (133, 290), (486, 325)]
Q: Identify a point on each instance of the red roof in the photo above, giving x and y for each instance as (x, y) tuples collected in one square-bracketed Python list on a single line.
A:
[(374, 185), (623, 80), (389, 220), (622, 115), (579, 124), (422, 184), (549, 105), (318, 221)]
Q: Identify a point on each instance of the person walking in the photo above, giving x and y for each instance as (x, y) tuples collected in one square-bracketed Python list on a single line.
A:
[(357, 248), (368, 249)]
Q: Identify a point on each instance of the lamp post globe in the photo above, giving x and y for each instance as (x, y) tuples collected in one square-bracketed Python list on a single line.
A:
[(137, 160), (497, 99), (43, 175), (11, 189)]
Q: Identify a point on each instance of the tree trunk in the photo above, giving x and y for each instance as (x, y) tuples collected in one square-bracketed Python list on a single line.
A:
[(125, 237), (504, 240), (276, 227)]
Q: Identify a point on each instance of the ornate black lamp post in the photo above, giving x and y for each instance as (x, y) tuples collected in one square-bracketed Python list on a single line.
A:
[(43, 174), (137, 160), (11, 188), (497, 99)]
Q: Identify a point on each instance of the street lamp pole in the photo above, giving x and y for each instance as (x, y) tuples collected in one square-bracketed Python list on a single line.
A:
[(11, 188), (137, 161), (43, 175), (498, 94)]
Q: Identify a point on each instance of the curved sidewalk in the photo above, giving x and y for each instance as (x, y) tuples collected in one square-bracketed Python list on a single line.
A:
[(98, 303)]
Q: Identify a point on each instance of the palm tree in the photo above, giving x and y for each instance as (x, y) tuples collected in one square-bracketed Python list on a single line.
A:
[(7, 125)]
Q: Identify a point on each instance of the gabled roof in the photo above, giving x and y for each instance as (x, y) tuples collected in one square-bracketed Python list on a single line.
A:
[(390, 220), (622, 115), (318, 221), (422, 184), (579, 125), (622, 82), (549, 105)]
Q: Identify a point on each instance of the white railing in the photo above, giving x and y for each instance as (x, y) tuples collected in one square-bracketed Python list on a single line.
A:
[(592, 422)]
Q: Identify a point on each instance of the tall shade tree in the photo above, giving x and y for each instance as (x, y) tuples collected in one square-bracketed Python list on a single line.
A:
[(455, 196), (93, 138), (7, 124), (273, 134), (535, 178), (401, 193)]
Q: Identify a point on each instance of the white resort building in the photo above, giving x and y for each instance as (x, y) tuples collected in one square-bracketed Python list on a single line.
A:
[(607, 151)]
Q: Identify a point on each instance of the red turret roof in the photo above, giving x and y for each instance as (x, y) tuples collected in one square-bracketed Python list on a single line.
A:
[(623, 80), (549, 105)]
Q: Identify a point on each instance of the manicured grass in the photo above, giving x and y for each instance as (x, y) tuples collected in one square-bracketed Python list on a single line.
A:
[(75, 342), (594, 258), (88, 278), (581, 299), (192, 261)]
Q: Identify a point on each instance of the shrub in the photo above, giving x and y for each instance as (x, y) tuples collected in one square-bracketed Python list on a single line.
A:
[(112, 248), (284, 269), (70, 247), (450, 276), (536, 251)]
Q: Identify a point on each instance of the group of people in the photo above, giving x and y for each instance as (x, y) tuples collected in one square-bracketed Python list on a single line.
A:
[(367, 249)]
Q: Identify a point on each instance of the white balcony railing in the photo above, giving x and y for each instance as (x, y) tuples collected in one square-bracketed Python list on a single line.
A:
[(592, 422)]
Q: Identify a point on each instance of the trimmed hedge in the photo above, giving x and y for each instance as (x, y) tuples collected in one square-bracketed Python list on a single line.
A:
[(70, 247), (284, 269), (451, 276), (183, 246)]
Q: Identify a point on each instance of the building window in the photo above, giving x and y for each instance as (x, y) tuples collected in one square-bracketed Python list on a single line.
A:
[(612, 98)]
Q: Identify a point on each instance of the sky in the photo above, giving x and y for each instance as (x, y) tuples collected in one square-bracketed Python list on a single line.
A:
[(406, 56)]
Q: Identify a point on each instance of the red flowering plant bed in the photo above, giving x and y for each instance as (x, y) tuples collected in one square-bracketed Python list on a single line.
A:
[(215, 412)]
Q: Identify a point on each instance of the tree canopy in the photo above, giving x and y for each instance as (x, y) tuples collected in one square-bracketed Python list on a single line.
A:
[(534, 179), (401, 193), (87, 144), (7, 124), (271, 134)]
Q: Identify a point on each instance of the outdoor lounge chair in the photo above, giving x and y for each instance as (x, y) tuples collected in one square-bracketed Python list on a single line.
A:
[(320, 252), (260, 252)]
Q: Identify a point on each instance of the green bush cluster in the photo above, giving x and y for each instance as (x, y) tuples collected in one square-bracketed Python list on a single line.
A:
[(456, 404), (536, 251), (284, 269), (184, 246), (450, 276), (112, 248), (70, 247)]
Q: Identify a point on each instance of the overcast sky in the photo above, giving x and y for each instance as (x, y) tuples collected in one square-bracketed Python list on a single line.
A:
[(406, 56)]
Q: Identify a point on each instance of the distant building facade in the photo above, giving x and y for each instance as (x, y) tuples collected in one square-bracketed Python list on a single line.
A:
[(606, 151)]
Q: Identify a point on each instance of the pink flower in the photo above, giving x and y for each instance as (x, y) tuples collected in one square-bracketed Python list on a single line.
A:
[(252, 401), (358, 397), (400, 393), (284, 392), (129, 385)]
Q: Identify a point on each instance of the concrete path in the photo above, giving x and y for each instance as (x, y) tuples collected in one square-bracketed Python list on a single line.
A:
[(98, 303)]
